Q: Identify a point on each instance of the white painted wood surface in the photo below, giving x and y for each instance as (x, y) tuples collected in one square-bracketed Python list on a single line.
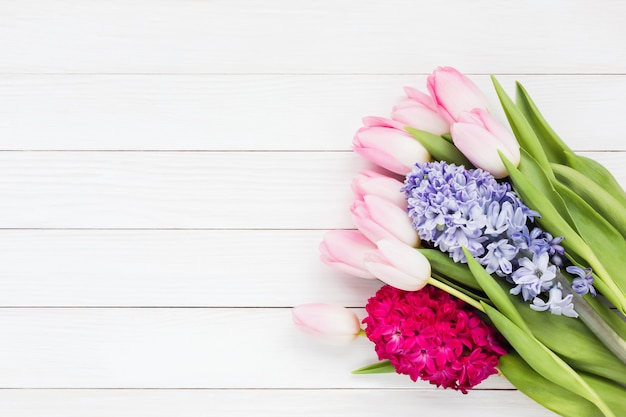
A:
[(167, 170)]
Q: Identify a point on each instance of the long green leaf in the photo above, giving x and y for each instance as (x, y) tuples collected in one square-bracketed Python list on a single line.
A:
[(439, 148), (552, 221), (543, 391), (542, 183), (596, 195), (383, 367), (552, 144), (597, 173), (602, 238), (521, 128), (545, 362), (493, 290)]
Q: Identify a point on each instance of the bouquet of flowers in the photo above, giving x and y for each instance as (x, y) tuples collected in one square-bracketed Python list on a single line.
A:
[(501, 251)]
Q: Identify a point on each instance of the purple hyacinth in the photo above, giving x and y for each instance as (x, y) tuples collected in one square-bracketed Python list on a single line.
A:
[(452, 207)]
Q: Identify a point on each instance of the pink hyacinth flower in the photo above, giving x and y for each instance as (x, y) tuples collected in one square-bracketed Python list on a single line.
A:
[(398, 265), (454, 93), (479, 137), (369, 182), (330, 324), (378, 218), (385, 143), (345, 250), (419, 111)]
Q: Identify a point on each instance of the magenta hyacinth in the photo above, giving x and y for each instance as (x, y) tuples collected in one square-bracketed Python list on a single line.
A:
[(432, 336)]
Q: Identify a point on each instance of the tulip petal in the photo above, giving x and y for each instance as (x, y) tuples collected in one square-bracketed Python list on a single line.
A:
[(384, 271), (405, 258), (329, 323), (345, 250), (394, 219), (481, 148)]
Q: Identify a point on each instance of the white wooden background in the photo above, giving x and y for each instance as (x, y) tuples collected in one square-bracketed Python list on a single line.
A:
[(167, 170)]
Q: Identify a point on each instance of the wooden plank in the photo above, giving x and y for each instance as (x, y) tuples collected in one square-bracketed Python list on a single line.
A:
[(261, 403), (180, 348), (221, 112), (281, 36), (284, 190), (204, 268)]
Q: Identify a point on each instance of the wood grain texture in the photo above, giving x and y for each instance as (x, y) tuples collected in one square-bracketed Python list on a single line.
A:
[(147, 190), (264, 403), (180, 348), (185, 268), (280, 36), (170, 167), (263, 112)]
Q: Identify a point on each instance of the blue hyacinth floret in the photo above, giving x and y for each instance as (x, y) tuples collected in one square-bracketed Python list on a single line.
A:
[(452, 207)]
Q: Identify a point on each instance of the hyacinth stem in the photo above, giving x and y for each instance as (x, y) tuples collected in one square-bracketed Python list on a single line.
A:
[(594, 322), (456, 293)]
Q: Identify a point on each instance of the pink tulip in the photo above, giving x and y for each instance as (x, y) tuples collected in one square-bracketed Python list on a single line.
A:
[(328, 323), (378, 219), (454, 93), (345, 250), (419, 111), (386, 143), (479, 137), (373, 183), (398, 265)]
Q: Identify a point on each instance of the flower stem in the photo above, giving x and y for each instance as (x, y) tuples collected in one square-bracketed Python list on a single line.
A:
[(594, 322), (456, 293)]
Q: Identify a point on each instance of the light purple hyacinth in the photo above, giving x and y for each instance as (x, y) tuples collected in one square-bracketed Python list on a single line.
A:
[(452, 207)]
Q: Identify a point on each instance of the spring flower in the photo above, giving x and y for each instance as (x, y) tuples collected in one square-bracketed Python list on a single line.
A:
[(398, 265), (533, 276), (378, 219), (345, 250), (373, 183), (328, 323), (385, 143), (556, 303), (419, 111), (583, 283), (454, 93), (479, 137), (431, 336), (452, 207)]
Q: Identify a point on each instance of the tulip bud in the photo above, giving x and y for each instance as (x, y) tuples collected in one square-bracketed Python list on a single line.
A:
[(386, 143), (454, 93), (419, 111), (378, 219), (330, 324), (345, 250), (479, 137), (398, 265), (373, 183)]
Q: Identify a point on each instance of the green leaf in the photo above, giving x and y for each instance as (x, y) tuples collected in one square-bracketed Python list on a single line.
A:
[(521, 128), (445, 265), (439, 148), (543, 391), (574, 342), (540, 179), (384, 367), (594, 194), (597, 173), (545, 362), (552, 144), (599, 235), (494, 291), (552, 221)]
